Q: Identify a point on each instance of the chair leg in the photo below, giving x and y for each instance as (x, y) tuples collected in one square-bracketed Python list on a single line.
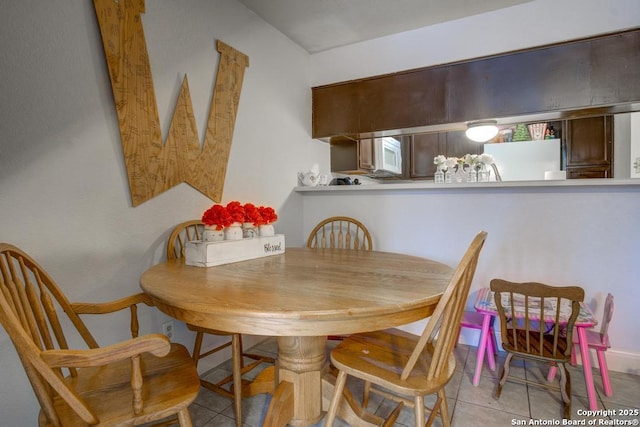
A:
[(197, 347), (435, 411), (565, 389), (365, 394), (444, 408), (494, 341), (341, 380), (391, 419), (240, 349), (184, 419), (491, 350), (604, 372), (236, 355), (418, 410), (503, 375), (574, 357)]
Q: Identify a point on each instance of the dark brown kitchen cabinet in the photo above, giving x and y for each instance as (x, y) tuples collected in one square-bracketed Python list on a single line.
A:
[(521, 83), (395, 101), (365, 154), (424, 147), (589, 147), (587, 172), (576, 76)]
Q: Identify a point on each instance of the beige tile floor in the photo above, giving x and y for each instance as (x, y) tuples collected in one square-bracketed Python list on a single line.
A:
[(469, 406)]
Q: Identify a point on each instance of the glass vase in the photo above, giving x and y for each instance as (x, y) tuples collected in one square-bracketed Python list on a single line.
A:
[(249, 230), (233, 232), (448, 176), (483, 174), (210, 234), (266, 230), (438, 177)]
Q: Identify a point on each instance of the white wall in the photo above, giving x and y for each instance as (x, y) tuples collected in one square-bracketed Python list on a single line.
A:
[(64, 194)]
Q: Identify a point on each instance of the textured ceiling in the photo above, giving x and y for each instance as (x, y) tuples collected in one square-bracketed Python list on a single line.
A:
[(319, 25)]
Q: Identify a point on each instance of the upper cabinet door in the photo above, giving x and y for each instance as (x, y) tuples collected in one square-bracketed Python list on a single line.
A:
[(589, 147), (396, 101), (424, 148)]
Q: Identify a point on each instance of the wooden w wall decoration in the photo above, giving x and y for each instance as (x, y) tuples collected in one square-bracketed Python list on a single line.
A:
[(154, 167)]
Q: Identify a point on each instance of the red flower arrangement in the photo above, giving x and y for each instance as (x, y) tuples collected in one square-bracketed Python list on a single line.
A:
[(268, 215), (252, 214), (218, 216), (222, 216), (236, 211)]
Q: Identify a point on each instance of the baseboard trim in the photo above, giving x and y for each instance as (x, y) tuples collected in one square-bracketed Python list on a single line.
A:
[(619, 361)]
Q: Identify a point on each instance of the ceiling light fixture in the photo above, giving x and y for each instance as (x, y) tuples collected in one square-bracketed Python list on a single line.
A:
[(482, 130)]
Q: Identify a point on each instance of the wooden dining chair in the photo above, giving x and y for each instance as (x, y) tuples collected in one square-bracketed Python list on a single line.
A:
[(181, 234), (403, 367), (531, 328), (136, 381), (599, 341), (340, 232)]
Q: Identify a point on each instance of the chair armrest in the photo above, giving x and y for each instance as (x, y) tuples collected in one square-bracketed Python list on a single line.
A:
[(111, 306), (131, 302), (156, 344)]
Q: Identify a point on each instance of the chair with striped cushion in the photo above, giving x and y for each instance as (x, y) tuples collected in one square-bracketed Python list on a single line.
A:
[(533, 327)]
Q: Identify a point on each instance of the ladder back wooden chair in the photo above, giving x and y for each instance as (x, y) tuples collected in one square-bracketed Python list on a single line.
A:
[(340, 232), (181, 234), (536, 323), (137, 381), (403, 367)]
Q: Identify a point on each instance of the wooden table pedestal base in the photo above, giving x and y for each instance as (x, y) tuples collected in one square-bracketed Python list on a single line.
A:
[(302, 375)]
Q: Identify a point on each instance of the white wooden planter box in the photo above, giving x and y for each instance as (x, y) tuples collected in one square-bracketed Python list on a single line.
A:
[(209, 254)]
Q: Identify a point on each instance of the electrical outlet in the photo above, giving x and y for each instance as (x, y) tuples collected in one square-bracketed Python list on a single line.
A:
[(167, 328)]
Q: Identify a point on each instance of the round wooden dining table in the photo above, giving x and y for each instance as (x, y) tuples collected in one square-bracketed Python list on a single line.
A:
[(300, 297)]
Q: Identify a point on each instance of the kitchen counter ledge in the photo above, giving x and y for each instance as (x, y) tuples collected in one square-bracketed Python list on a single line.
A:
[(420, 185)]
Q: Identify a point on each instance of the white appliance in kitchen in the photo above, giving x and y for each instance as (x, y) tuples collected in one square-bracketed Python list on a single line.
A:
[(379, 157), (388, 155), (526, 160)]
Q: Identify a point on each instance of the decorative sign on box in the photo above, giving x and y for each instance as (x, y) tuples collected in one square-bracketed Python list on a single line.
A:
[(208, 254)]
